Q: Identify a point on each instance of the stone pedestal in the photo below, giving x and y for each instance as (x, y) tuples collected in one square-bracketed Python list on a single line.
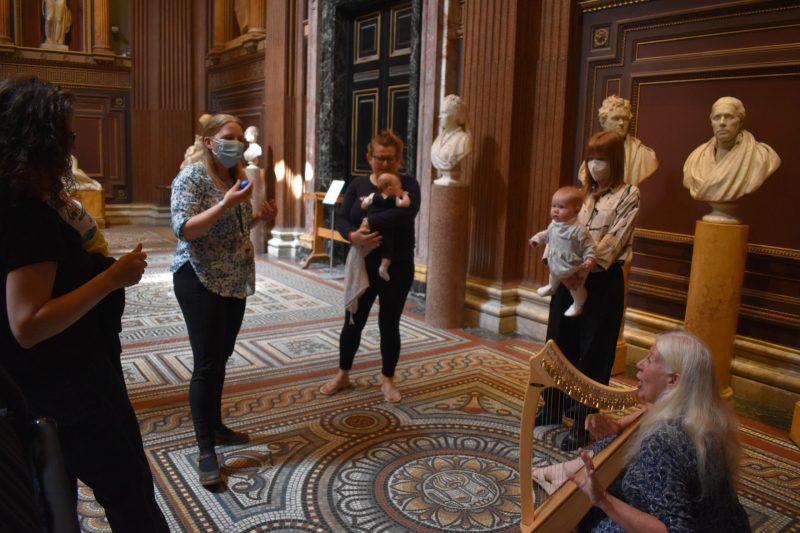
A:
[(715, 291), (257, 233), (55, 46), (621, 355), (447, 256)]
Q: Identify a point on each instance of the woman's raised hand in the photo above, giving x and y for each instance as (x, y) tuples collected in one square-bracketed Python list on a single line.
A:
[(237, 194)]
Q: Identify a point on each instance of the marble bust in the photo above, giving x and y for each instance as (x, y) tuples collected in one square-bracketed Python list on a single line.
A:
[(731, 164), (253, 151), (454, 140), (57, 22), (640, 161)]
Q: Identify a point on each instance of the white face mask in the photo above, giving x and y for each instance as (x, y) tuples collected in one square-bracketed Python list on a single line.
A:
[(598, 169)]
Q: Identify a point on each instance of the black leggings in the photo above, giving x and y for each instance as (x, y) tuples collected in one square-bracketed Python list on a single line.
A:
[(392, 296), (213, 322), (589, 341)]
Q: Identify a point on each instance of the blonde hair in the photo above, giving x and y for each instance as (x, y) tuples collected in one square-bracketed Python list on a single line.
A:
[(571, 195), (386, 180), (696, 404), (209, 126)]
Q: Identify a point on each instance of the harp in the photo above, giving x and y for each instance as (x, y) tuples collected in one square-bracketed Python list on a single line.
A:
[(567, 505)]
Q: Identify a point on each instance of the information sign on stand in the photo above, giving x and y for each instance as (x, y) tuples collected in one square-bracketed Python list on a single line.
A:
[(330, 199)]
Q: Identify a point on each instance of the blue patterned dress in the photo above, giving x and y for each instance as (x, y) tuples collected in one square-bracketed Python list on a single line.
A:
[(662, 481)]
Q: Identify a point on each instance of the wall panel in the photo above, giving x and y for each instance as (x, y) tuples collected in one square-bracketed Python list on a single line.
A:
[(673, 59)]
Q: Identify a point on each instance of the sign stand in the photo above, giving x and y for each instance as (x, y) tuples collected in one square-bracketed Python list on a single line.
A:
[(330, 199)]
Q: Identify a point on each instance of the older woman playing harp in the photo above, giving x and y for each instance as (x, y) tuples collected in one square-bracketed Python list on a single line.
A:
[(682, 464)]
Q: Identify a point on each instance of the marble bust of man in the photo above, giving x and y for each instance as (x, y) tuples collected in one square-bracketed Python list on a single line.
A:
[(454, 140), (732, 163), (640, 161), (253, 151)]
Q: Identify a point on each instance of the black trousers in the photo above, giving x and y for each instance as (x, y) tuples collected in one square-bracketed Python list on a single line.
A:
[(104, 449), (213, 322), (392, 296), (589, 341)]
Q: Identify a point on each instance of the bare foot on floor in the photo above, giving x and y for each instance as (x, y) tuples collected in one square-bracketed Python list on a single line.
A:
[(338, 383), (390, 392)]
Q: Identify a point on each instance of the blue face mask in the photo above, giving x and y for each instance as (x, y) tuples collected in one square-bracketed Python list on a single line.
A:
[(228, 152)]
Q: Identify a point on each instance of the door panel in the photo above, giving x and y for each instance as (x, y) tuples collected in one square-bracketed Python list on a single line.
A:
[(377, 78)]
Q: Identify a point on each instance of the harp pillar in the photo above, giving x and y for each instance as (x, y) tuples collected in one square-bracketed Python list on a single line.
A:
[(715, 291)]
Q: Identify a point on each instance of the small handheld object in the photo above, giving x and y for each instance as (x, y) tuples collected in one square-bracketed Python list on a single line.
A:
[(244, 184)]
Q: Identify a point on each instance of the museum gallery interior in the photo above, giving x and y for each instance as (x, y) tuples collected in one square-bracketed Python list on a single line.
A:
[(495, 101)]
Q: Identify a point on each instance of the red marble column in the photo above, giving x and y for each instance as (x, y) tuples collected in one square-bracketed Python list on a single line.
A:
[(447, 262)]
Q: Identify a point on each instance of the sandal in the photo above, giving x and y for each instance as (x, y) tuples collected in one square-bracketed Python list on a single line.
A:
[(393, 397), (329, 389)]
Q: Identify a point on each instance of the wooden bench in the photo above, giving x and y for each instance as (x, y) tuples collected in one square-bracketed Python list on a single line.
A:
[(318, 252)]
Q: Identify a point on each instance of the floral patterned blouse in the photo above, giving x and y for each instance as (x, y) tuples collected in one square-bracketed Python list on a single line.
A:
[(222, 258), (662, 480)]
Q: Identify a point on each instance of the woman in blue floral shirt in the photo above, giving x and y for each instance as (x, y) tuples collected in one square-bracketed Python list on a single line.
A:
[(213, 273)]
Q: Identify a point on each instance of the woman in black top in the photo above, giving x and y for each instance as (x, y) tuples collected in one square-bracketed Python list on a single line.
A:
[(384, 153), (56, 333)]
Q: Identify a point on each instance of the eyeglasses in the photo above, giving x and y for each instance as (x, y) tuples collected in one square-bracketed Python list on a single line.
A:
[(384, 158)]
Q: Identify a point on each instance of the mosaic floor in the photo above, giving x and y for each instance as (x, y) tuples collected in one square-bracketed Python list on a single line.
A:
[(444, 459)]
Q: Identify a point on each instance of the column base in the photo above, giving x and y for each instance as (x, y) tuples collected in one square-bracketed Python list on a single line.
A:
[(284, 242)]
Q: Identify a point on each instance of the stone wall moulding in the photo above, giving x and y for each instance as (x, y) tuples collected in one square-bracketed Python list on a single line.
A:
[(71, 76)]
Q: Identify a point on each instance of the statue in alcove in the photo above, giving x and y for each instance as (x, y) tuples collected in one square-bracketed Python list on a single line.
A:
[(242, 10), (57, 22), (730, 165), (640, 161)]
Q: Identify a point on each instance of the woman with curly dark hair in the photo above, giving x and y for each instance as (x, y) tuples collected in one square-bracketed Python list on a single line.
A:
[(55, 335)]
